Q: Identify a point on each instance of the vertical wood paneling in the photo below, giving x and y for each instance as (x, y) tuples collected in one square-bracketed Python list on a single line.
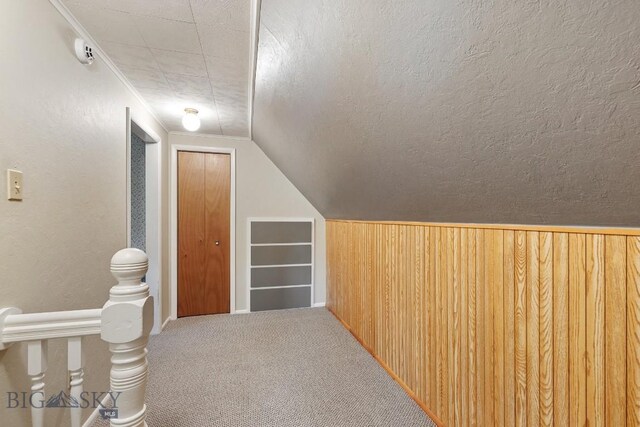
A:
[(633, 331), (521, 328), (448, 292), (489, 363), (615, 330), (372, 262), (464, 323), (561, 329), (387, 249), (411, 320), (577, 330), (481, 340), (402, 277), (496, 327), (433, 318), (355, 315), (454, 391), (546, 329), (595, 330), (378, 267), (420, 314), (497, 286), (440, 326), (394, 290), (473, 342), (533, 328), (509, 328)]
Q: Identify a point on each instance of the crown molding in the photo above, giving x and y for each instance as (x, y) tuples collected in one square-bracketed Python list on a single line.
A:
[(256, 6), (82, 32)]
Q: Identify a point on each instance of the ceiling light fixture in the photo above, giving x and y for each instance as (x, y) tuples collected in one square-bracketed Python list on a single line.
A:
[(191, 121)]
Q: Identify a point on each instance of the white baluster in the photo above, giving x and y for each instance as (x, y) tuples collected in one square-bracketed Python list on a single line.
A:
[(36, 368), (75, 362), (127, 319)]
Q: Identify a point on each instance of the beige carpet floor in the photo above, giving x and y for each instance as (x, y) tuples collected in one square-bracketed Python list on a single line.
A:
[(290, 368)]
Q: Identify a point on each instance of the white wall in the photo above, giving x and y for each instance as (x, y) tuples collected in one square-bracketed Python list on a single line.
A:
[(63, 125), (261, 191)]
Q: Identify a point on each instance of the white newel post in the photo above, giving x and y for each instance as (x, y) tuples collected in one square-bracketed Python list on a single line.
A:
[(127, 319)]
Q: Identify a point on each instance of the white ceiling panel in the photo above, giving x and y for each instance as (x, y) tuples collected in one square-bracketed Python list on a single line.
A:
[(227, 71), (139, 57), (177, 10), (169, 35), (189, 84), (179, 54), (153, 96), (233, 89), (230, 14), (108, 25), (200, 98), (188, 64), (149, 79), (232, 97), (230, 113), (223, 43)]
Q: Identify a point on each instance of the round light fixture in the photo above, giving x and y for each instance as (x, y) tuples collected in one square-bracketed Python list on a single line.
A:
[(191, 121)]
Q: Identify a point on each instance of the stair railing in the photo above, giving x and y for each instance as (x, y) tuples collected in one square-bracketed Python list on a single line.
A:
[(124, 322)]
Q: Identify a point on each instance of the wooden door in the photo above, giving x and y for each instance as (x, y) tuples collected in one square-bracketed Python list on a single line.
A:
[(204, 195)]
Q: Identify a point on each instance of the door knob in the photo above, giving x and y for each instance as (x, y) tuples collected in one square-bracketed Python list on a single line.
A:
[(217, 242)]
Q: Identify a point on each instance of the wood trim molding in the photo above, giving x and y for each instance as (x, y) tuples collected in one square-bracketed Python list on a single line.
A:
[(608, 231)]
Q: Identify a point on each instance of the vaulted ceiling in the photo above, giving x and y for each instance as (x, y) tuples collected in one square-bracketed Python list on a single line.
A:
[(470, 111), (179, 54)]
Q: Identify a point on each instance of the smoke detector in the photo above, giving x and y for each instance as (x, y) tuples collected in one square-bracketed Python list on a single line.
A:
[(84, 52)]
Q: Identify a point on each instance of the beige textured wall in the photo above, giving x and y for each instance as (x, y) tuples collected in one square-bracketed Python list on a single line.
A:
[(261, 191), (63, 125), (454, 111)]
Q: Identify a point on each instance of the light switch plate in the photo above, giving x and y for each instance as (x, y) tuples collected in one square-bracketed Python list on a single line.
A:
[(14, 185)]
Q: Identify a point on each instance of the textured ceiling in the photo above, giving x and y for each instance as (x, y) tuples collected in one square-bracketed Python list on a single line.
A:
[(467, 111), (178, 54)]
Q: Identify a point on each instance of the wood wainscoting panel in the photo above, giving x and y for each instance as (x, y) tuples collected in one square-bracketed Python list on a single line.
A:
[(633, 331), (493, 326), (520, 338)]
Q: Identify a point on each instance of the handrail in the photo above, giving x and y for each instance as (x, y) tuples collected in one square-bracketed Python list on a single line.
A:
[(45, 326), (124, 322)]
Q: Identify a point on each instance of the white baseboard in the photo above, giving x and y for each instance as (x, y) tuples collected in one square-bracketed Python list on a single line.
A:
[(165, 323), (319, 304), (242, 312), (96, 412)]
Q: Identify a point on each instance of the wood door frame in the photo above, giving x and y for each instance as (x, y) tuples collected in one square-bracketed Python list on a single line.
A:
[(174, 222)]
